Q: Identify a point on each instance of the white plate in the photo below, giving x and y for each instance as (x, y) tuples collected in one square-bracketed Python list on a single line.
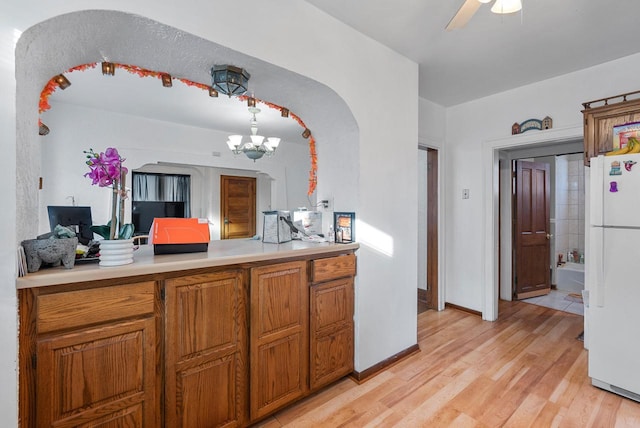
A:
[(115, 262), (115, 251), (116, 244), (116, 256)]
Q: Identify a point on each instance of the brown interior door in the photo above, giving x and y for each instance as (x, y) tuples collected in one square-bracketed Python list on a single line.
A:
[(238, 207), (432, 229), (531, 230)]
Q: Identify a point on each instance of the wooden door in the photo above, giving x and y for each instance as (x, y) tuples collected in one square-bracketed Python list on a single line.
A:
[(432, 229), (238, 207), (205, 353), (531, 230), (279, 336)]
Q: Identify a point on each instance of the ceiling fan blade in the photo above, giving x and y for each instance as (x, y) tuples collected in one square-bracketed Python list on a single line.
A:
[(463, 15)]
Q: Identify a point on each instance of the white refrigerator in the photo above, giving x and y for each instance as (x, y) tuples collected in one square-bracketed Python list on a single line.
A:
[(612, 319)]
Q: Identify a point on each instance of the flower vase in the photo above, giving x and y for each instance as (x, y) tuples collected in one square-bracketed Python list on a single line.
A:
[(116, 252)]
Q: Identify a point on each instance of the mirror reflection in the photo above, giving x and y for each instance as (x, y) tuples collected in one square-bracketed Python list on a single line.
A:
[(165, 133)]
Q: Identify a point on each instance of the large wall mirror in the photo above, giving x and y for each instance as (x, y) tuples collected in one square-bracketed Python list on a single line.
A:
[(177, 130)]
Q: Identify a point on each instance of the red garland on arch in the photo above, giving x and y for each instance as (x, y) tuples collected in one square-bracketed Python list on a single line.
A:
[(142, 72), (51, 87), (83, 67), (195, 84), (48, 89)]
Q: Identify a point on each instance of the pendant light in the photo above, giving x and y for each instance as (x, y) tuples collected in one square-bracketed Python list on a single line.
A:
[(506, 6)]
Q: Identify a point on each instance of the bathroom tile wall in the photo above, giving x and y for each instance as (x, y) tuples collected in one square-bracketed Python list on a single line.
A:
[(569, 204)]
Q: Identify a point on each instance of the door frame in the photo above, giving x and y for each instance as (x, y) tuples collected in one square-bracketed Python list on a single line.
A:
[(491, 185), (432, 228), (441, 223)]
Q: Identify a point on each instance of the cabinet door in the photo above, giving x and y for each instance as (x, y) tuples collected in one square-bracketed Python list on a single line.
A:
[(599, 123), (206, 350), (279, 338), (331, 351), (102, 376)]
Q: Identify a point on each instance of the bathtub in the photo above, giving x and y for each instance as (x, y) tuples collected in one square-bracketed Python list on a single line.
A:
[(570, 277)]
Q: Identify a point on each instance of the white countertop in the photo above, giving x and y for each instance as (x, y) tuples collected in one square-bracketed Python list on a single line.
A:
[(220, 253)]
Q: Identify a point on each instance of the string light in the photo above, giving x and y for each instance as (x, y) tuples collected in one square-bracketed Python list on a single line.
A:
[(62, 81)]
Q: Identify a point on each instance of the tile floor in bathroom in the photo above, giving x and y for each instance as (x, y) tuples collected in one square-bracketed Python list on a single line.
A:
[(561, 300)]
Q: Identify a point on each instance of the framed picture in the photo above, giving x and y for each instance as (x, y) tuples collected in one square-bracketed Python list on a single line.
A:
[(622, 133), (344, 226)]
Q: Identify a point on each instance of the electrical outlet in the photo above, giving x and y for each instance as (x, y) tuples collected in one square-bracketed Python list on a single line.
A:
[(326, 204)]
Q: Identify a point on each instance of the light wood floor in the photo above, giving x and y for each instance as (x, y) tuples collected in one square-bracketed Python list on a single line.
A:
[(525, 370)]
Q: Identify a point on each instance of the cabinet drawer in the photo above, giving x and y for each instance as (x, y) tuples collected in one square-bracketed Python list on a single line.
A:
[(333, 267), (72, 309)]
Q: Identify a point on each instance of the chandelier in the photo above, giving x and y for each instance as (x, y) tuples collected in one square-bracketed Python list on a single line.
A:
[(257, 146), (229, 80)]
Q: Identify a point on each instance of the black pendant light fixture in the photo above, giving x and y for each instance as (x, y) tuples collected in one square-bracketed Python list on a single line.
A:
[(229, 80)]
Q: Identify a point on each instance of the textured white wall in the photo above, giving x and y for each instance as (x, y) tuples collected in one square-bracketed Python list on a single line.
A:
[(8, 314), (432, 127), (356, 167)]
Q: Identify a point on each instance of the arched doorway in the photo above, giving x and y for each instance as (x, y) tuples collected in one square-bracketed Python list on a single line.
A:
[(96, 35)]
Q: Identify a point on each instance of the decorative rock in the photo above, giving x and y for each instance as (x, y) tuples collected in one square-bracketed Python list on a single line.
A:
[(52, 252)]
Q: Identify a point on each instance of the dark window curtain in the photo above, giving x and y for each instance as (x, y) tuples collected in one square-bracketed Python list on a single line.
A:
[(162, 187)]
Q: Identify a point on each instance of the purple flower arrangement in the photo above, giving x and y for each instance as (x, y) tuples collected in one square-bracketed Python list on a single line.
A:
[(106, 170)]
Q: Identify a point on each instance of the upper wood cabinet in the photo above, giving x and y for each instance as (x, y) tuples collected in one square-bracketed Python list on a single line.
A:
[(206, 350), (600, 116)]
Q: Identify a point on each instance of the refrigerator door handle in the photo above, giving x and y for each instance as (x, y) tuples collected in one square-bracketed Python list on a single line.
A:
[(597, 183), (598, 249)]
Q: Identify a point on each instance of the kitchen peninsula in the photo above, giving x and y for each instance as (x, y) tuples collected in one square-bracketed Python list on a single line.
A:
[(218, 338)]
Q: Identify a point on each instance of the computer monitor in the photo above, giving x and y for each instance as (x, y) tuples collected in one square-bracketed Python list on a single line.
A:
[(77, 219), (143, 213)]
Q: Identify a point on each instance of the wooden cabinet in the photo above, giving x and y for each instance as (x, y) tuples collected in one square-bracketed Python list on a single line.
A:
[(205, 350), (211, 347), (93, 358), (331, 319), (279, 336), (599, 121)]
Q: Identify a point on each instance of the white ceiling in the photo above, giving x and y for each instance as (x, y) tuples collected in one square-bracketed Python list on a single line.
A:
[(131, 94), (494, 53)]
